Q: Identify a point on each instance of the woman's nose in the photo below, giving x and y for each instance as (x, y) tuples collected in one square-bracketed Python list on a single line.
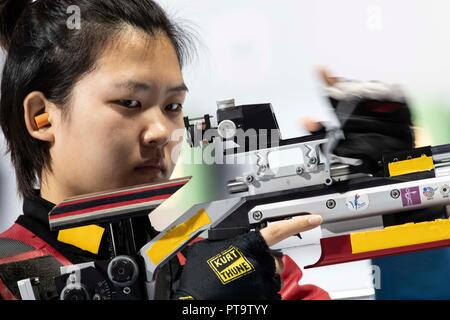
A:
[(157, 129)]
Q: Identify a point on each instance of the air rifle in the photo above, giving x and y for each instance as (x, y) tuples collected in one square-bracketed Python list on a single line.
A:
[(367, 210)]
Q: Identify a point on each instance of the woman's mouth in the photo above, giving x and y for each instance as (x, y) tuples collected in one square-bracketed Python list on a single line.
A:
[(149, 170)]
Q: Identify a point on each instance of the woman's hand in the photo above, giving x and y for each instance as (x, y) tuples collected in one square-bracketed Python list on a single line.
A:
[(239, 268), (379, 122), (311, 124), (280, 230)]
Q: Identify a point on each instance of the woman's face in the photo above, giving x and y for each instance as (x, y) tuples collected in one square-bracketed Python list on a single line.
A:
[(117, 132)]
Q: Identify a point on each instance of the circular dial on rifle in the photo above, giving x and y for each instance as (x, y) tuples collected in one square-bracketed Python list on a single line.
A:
[(227, 129)]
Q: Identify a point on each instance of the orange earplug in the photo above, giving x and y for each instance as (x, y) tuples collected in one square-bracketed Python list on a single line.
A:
[(42, 120)]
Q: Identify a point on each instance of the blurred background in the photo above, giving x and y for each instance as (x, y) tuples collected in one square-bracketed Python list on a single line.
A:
[(268, 51)]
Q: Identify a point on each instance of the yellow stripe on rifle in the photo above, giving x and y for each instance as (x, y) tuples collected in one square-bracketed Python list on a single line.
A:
[(87, 238), (177, 236), (399, 168), (400, 236)]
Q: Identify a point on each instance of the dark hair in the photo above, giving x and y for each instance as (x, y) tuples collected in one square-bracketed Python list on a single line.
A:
[(44, 54)]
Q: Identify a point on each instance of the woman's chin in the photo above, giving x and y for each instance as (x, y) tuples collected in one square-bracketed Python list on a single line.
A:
[(148, 177)]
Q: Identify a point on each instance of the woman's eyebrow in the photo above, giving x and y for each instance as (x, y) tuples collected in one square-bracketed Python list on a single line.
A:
[(133, 85), (179, 88), (136, 86)]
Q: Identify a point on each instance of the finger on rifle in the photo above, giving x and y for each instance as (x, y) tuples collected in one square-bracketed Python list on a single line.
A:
[(280, 230)]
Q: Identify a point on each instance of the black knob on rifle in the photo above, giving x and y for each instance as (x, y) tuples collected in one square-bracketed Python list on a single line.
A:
[(123, 271), (75, 292)]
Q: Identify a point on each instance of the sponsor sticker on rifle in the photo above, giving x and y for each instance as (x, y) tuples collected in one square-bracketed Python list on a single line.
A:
[(410, 196), (445, 190), (230, 265), (357, 202), (429, 192)]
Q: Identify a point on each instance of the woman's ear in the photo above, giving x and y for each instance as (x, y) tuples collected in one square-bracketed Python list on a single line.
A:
[(38, 116)]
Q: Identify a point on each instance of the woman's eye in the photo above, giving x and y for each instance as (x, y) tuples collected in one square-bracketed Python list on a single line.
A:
[(130, 104), (174, 107)]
